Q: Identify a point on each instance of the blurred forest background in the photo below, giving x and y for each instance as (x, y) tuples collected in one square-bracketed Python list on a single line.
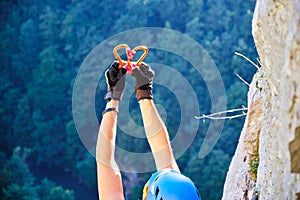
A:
[(44, 42)]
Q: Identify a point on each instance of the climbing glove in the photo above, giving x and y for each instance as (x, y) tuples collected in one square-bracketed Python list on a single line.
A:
[(115, 79), (143, 81)]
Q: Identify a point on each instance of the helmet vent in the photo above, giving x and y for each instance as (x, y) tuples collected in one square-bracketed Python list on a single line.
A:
[(156, 192)]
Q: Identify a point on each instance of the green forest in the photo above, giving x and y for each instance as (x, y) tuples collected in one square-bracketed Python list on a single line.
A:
[(44, 43)]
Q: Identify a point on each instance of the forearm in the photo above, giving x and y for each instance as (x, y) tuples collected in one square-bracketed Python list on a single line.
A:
[(157, 136), (109, 177), (107, 135)]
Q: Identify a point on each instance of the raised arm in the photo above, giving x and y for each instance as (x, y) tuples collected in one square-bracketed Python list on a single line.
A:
[(156, 131), (109, 177)]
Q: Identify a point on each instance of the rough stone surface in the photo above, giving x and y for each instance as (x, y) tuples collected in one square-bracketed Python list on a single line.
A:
[(240, 181), (295, 152), (276, 31)]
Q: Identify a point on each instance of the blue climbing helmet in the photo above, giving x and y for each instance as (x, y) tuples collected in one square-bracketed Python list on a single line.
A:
[(168, 184)]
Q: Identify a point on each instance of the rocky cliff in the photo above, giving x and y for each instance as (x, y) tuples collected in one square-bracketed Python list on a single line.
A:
[(267, 159)]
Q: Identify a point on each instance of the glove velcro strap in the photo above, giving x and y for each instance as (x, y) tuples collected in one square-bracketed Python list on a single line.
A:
[(108, 96), (143, 94), (113, 94)]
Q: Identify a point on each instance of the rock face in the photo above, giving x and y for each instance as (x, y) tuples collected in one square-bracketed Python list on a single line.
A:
[(240, 181), (276, 31)]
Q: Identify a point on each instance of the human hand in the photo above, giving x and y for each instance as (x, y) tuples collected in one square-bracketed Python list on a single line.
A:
[(115, 79), (144, 75)]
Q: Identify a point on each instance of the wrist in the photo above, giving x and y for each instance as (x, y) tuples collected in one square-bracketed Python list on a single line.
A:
[(146, 102), (112, 104)]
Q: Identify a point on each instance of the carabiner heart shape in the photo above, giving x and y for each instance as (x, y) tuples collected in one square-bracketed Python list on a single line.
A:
[(130, 55)]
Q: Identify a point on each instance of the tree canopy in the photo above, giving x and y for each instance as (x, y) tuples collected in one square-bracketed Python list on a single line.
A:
[(43, 44)]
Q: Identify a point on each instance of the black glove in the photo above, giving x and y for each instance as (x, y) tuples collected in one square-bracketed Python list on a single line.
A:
[(115, 79), (143, 81)]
